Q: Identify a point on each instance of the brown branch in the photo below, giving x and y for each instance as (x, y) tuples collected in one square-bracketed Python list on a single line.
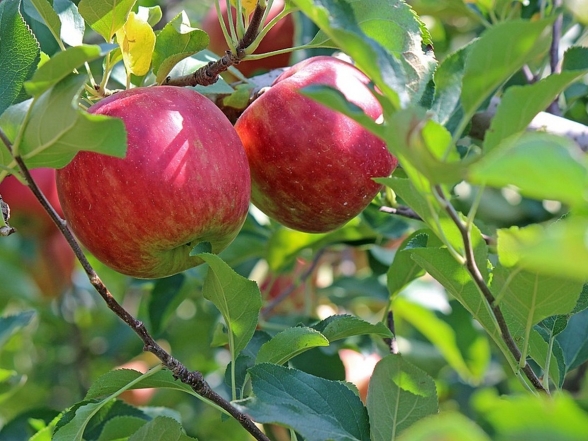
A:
[(554, 53), (209, 74), (478, 279), (391, 342), (194, 379)]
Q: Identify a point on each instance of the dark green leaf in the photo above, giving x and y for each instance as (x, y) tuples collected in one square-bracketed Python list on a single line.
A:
[(105, 16), (574, 340), (161, 302), (12, 323), (316, 408), (49, 17), (338, 327), (399, 394), (121, 427), (289, 343), (540, 165), (237, 298), (19, 53), (498, 54), (176, 41)]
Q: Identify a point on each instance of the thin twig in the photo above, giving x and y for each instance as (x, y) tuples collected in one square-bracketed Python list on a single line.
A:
[(295, 283), (391, 342), (209, 74), (194, 379), (478, 279)]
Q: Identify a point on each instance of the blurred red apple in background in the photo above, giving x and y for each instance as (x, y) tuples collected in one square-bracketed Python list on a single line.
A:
[(27, 214), (52, 265), (185, 180), (312, 167), (281, 36)]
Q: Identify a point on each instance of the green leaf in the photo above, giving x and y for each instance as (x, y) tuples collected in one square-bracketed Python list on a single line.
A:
[(399, 394), (176, 41), (337, 20), (316, 408), (151, 14), (574, 340), (334, 99), (105, 16), (448, 84), (556, 417), (438, 332), (59, 67), (396, 27), (338, 327), (444, 426), (113, 381), (499, 53), (455, 278), (57, 129), (72, 23), (13, 323), (119, 428), (161, 429), (558, 249), (520, 104), (161, 301), (288, 344), (540, 165), (404, 269), (19, 53), (10, 382), (237, 298), (73, 429), (532, 297), (49, 16)]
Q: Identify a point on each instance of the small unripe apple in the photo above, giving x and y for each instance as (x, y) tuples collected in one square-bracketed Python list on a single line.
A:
[(281, 36), (312, 168), (184, 181), (27, 214)]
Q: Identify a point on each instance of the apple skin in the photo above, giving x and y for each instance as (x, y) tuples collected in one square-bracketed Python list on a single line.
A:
[(184, 180), (281, 36), (27, 214), (312, 167)]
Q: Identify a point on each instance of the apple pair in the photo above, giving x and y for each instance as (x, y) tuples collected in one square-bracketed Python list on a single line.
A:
[(188, 174)]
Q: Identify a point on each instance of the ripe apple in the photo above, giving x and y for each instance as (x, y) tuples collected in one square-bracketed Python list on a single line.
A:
[(27, 214), (184, 181), (281, 36), (312, 167)]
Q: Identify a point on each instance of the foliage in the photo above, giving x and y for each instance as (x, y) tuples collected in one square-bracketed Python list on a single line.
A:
[(479, 293)]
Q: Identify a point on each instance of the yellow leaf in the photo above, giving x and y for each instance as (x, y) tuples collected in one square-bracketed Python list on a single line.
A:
[(247, 5), (137, 41)]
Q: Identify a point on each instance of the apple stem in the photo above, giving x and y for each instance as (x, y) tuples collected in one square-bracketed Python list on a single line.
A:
[(209, 74), (194, 379), (476, 275)]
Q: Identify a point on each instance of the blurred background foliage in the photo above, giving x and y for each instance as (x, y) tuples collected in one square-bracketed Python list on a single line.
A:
[(73, 339)]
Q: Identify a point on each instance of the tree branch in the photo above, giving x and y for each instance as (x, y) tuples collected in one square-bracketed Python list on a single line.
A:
[(478, 279), (208, 75), (194, 379)]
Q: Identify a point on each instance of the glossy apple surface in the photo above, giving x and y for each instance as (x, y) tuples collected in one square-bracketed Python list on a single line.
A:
[(312, 168), (281, 36), (184, 181), (27, 214)]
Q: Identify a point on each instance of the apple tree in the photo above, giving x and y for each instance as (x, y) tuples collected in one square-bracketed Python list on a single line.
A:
[(293, 220)]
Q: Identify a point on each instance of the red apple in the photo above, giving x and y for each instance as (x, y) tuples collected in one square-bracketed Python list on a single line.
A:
[(274, 284), (27, 214), (184, 181), (312, 167), (281, 36)]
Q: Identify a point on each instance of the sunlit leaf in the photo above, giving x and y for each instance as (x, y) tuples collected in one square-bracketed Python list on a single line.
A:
[(137, 41)]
